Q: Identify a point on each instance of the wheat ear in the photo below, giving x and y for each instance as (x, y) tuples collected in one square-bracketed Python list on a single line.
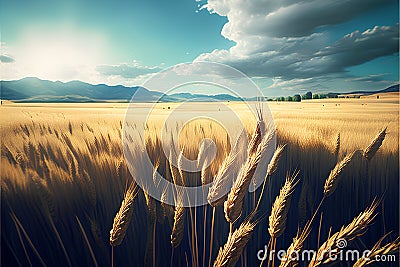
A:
[(215, 197), (370, 151), (233, 204), (272, 167), (178, 227), (229, 254), (123, 217), (290, 258), (179, 220), (256, 137), (200, 154), (280, 208), (257, 134), (176, 176), (180, 162), (347, 233), (205, 175), (273, 164), (389, 248), (332, 181), (337, 145)]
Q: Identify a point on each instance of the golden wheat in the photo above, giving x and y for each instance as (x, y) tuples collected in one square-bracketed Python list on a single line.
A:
[(332, 181), (291, 258), (337, 146), (378, 250), (273, 164), (233, 204), (178, 227), (123, 217), (347, 233), (82, 169), (370, 151), (215, 196), (280, 208), (229, 254)]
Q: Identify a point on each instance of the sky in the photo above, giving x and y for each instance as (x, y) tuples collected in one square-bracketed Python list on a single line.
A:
[(285, 47)]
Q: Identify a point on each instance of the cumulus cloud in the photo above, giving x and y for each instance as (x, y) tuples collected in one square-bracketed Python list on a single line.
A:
[(306, 57), (290, 40), (6, 59), (288, 17), (357, 48), (126, 70)]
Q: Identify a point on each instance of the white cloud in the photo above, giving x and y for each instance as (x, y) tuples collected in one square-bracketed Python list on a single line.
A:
[(290, 41), (127, 70)]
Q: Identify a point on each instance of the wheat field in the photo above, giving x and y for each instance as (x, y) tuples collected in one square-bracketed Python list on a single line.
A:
[(67, 196)]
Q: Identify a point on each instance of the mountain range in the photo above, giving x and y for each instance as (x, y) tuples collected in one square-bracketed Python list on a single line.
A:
[(36, 90)]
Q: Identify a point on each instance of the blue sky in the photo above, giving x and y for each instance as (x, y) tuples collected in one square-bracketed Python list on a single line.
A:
[(285, 46)]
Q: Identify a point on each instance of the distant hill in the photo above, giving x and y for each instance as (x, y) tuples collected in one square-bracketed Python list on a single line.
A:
[(391, 89), (201, 97), (36, 90)]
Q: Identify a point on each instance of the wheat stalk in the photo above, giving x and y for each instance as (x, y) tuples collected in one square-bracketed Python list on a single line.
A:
[(151, 207), (332, 181), (389, 248), (370, 151), (356, 228), (123, 217), (280, 208), (229, 254)]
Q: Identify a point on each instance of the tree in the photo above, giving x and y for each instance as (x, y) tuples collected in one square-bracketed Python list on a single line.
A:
[(315, 96), (289, 98), (308, 95), (332, 95), (297, 98)]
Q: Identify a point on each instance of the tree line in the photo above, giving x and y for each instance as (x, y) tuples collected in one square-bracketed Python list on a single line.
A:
[(306, 96)]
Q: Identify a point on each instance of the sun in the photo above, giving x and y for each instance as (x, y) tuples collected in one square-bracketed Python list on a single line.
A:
[(60, 56)]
